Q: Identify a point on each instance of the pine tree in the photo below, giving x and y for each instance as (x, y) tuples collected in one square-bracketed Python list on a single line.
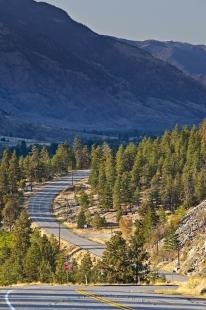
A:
[(4, 178), (129, 157), (171, 241), (77, 148), (84, 274), (115, 261), (109, 173), (104, 195), (126, 189), (35, 165), (98, 221), (117, 199), (81, 219), (60, 275), (10, 213), (45, 272), (85, 157), (46, 164), (138, 257), (83, 200), (188, 187), (200, 185), (22, 233), (95, 165), (63, 160), (32, 262), (81, 154), (14, 174), (120, 161)]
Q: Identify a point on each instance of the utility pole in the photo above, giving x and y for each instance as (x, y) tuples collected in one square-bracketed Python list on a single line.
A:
[(59, 235), (157, 247), (67, 210), (137, 273), (178, 258), (86, 280), (72, 174)]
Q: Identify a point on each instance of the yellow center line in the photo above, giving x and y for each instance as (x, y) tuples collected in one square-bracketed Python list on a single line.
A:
[(103, 300)]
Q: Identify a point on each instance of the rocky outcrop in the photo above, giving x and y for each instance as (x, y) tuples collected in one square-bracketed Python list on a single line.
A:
[(192, 237), (192, 224)]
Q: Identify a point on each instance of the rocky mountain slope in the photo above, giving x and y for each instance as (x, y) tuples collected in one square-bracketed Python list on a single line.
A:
[(191, 59), (57, 73), (192, 237)]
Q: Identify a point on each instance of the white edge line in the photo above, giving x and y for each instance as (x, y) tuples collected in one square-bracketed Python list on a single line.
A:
[(8, 301)]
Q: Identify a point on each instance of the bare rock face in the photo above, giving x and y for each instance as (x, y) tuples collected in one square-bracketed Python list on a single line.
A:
[(192, 237), (55, 72), (193, 223)]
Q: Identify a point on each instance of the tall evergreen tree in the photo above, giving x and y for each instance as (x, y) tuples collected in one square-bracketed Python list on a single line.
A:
[(84, 274), (14, 174), (115, 261), (137, 255)]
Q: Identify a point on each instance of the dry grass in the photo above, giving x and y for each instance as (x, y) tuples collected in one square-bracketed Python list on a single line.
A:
[(195, 286)]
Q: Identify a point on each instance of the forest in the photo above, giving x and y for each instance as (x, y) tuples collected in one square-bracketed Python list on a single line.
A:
[(156, 176), (159, 179), (166, 172)]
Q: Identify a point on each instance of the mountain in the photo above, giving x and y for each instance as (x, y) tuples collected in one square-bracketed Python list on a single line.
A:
[(57, 75), (189, 58)]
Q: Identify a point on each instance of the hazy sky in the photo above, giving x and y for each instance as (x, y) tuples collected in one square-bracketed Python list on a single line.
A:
[(180, 20)]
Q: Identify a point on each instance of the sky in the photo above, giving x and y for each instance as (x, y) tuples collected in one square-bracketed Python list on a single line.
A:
[(177, 20)]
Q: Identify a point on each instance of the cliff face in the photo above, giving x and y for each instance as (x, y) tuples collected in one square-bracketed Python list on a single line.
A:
[(192, 236), (57, 73)]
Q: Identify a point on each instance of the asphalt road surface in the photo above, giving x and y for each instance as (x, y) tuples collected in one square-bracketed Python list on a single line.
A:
[(40, 212), (105, 297)]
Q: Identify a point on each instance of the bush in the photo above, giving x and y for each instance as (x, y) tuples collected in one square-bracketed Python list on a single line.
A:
[(83, 200), (98, 221), (81, 219)]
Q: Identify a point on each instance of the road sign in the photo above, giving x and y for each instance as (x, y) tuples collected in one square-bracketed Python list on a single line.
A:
[(67, 266)]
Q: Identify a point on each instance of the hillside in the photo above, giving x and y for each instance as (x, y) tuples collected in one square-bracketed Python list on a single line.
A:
[(189, 58), (57, 73), (191, 233)]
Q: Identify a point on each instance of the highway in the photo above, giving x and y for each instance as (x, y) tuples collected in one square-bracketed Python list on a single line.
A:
[(39, 209), (75, 297), (102, 297)]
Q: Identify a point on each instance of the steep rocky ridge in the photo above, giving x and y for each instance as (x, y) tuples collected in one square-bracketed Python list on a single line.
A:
[(192, 237)]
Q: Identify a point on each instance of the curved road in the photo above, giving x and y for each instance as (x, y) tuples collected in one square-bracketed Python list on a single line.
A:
[(40, 213), (105, 298), (39, 209), (71, 297)]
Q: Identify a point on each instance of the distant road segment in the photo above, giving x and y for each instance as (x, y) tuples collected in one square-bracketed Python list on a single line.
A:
[(40, 212)]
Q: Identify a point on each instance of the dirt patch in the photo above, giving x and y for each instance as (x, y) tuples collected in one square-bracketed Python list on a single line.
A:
[(66, 209)]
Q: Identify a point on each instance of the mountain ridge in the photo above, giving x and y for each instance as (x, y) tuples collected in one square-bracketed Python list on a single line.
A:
[(189, 58), (58, 73)]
